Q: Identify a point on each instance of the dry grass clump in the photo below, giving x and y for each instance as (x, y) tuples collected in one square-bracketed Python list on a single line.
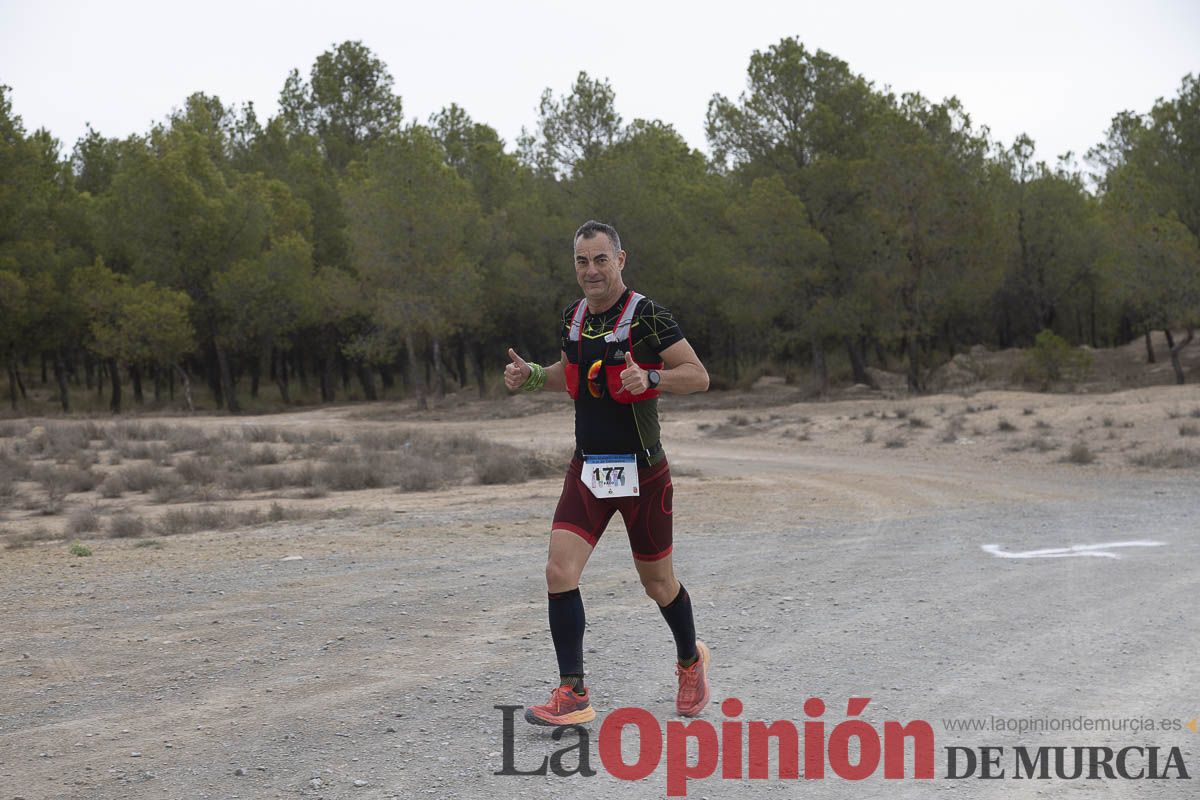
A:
[(1175, 458), (953, 429), (1041, 443), (137, 450), (138, 430), (234, 462), (15, 463), (14, 428), (126, 526), (26, 538), (1187, 429), (188, 438), (1079, 453), (60, 482), (735, 425), (13, 468), (208, 518), (316, 436), (85, 520), (112, 486), (261, 479), (145, 477), (246, 455), (190, 520), (198, 470), (8, 488), (508, 465), (61, 442)]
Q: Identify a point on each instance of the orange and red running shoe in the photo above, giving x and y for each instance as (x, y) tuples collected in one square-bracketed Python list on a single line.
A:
[(693, 683), (564, 708)]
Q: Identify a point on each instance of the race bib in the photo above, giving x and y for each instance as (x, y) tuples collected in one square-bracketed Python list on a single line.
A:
[(611, 476)]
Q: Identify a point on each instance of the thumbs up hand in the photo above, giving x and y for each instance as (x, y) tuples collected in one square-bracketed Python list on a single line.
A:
[(515, 373), (633, 377)]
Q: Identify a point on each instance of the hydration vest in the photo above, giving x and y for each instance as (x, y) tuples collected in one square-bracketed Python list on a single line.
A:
[(614, 365)]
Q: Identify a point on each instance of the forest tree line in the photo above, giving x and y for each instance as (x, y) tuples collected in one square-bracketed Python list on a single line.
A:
[(339, 244)]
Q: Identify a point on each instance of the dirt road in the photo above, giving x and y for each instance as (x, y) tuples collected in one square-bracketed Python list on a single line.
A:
[(221, 665)]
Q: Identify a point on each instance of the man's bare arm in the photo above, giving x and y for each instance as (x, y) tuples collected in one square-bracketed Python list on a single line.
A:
[(682, 372), (518, 371), (556, 375)]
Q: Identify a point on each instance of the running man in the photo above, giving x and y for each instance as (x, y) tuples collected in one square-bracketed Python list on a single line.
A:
[(619, 351)]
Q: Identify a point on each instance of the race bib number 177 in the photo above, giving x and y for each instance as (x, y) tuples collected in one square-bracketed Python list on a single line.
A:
[(611, 476)]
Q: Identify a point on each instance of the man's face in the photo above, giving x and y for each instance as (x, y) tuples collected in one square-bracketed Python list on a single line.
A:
[(598, 270)]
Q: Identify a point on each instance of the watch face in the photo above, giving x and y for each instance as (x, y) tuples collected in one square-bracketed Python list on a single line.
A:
[(654, 378)]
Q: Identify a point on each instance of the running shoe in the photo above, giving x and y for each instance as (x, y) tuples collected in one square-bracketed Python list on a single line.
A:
[(693, 683), (564, 708)]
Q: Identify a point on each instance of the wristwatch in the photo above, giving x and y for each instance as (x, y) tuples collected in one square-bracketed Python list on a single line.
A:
[(653, 377)]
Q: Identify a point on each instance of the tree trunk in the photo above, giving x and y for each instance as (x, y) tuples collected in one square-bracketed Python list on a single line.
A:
[(386, 377), (298, 369), (857, 363), (187, 388), (731, 350), (344, 368), (328, 380), (1092, 318), (366, 376), (212, 374), (1150, 359), (477, 358), (158, 382), (135, 376), (44, 380), (881, 355), (402, 365), (114, 373), (438, 370), (460, 361), (1176, 364), (60, 375), (414, 371), (89, 367), (226, 377), (820, 369), (913, 349), (281, 379), (12, 386), (255, 373)]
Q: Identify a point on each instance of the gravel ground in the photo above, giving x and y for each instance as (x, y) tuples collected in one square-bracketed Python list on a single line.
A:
[(220, 665)]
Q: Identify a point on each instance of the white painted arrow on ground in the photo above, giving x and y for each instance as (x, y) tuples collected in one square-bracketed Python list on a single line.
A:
[(1096, 550)]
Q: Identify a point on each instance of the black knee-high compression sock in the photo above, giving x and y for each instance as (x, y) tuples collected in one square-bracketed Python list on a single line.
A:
[(678, 614), (566, 628)]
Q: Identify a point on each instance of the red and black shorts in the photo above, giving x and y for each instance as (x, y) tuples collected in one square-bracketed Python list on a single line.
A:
[(647, 516)]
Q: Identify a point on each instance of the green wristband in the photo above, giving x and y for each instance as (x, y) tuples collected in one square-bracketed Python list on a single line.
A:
[(536, 379)]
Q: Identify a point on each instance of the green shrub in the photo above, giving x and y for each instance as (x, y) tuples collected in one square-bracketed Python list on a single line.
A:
[(1052, 358)]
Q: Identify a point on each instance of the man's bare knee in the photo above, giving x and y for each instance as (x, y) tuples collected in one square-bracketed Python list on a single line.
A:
[(661, 590), (560, 577)]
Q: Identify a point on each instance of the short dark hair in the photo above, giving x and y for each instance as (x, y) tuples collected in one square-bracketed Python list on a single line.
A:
[(589, 229)]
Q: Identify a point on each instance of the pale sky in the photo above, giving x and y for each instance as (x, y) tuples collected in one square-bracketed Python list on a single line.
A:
[(1058, 71)]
